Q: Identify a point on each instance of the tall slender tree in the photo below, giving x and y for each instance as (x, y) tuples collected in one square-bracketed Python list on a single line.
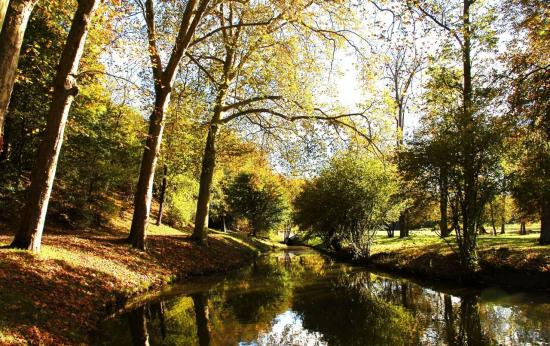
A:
[(258, 78), (65, 89), (163, 82), (468, 28), (11, 39)]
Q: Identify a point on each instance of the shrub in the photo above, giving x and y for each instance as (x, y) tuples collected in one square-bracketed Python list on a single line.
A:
[(260, 199), (349, 202)]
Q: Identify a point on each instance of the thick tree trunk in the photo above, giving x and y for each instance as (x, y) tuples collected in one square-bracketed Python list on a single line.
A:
[(11, 39), (200, 232), (545, 223), (202, 318), (443, 202), (162, 196), (65, 88), (144, 193)]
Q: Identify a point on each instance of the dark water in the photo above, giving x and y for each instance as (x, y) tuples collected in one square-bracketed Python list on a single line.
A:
[(301, 298)]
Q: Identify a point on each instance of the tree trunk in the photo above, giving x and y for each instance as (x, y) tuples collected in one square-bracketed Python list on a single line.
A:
[(545, 223), (202, 317), (3, 8), (65, 89), (522, 230), (503, 218), (443, 201), (144, 193), (200, 232), (391, 229), (493, 222), (11, 39), (162, 196), (470, 207), (403, 230), (163, 81)]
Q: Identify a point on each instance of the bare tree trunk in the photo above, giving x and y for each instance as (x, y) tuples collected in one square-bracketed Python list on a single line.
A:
[(545, 223), (162, 196), (11, 39), (65, 89)]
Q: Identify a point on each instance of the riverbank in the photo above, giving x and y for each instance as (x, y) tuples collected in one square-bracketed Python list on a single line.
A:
[(506, 260), (60, 295)]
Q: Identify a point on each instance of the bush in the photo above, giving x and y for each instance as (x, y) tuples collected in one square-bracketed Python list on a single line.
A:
[(181, 201), (260, 199), (349, 202)]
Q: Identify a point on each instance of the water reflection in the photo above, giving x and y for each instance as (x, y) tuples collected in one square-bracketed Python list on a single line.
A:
[(301, 298)]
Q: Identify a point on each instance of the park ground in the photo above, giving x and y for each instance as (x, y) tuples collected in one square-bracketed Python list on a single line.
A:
[(60, 295), (506, 260)]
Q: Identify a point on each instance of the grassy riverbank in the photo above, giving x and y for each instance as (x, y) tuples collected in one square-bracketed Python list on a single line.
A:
[(507, 260), (60, 295)]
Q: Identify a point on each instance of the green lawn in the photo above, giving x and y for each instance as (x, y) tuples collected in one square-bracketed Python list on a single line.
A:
[(428, 240)]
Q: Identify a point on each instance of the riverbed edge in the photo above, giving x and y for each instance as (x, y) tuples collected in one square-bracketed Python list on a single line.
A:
[(445, 268), (31, 322)]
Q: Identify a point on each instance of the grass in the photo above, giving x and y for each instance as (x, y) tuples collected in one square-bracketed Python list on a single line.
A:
[(506, 259), (61, 294), (426, 238)]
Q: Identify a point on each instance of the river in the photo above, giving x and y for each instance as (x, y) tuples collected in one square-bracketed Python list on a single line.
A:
[(299, 297)]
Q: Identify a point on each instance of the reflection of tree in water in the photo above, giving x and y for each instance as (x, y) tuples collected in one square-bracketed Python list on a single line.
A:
[(202, 317), (289, 299), (138, 327), (349, 314)]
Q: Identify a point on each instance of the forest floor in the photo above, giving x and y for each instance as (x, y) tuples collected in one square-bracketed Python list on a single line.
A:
[(507, 260), (60, 295)]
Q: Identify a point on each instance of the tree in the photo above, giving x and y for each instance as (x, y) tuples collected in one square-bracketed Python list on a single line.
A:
[(258, 77), (260, 199), (11, 39), (163, 79), (349, 202), (468, 28), (401, 69), (65, 89), (528, 60)]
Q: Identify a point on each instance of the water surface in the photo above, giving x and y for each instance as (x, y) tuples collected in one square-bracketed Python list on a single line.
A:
[(298, 297)]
